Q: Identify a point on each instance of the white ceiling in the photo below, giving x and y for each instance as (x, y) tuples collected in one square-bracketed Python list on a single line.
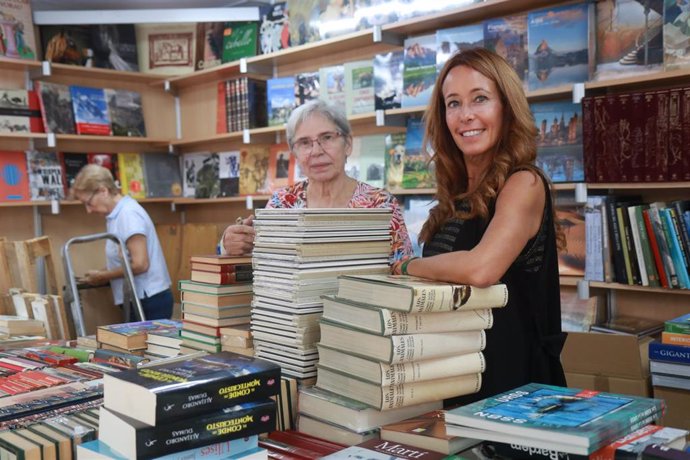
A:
[(46, 5)]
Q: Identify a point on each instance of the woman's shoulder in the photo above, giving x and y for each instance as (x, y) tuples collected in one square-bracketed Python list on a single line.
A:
[(292, 196), (373, 196), (527, 181)]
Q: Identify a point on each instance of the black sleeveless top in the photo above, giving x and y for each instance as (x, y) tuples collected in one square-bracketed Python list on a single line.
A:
[(525, 342)]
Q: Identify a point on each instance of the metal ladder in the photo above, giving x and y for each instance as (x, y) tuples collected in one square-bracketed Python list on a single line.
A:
[(71, 294)]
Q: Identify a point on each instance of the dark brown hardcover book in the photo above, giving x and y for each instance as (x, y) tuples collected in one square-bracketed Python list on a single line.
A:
[(656, 169), (685, 121), (588, 140), (602, 121), (675, 158), (639, 139), (647, 155)]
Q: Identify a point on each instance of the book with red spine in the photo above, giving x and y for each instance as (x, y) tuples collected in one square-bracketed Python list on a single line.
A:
[(298, 439), (654, 245)]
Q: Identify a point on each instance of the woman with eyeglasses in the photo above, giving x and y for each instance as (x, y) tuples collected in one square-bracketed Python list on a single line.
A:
[(94, 186), (320, 137)]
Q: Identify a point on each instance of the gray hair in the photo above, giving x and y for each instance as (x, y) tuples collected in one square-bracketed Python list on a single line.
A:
[(317, 107)]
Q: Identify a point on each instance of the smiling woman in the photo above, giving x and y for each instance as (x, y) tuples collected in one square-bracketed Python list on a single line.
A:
[(320, 137)]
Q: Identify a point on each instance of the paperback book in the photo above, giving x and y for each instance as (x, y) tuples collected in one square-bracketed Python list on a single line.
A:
[(507, 37), (388, 80), (229, 172), (126, 113), (209, 44), (20, 111), (419, 75), (274, 28), (55, 101), (162, 174), (91, 113), (45, 175), (132, 180), (19, 40), (14, 183)]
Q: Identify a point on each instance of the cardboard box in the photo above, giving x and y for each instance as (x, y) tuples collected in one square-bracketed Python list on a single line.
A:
[(677, 407), (610, 355), (635, 387)]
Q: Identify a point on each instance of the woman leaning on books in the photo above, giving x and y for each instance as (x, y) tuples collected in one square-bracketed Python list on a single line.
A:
[(494, 221)]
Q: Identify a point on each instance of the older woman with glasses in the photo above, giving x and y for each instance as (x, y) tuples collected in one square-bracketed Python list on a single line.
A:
[(320, 137)]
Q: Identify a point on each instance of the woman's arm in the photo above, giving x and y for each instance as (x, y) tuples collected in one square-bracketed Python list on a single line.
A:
[(138, 260), (518, 216)]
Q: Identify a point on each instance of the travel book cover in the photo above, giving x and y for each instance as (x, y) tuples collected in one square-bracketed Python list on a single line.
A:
[(45, 175), (133, 182), (229, 172), (209, 44), (359, 87), (419, 74), (559, 140), (456, 39), (126, 113), (20, 111), (280, 94), (332, 82), (388, 80), (418, 169), (240, 39), (558, 43), (19, 40), (55, 101), (507, 37), (14, 180), (629, 37), (162, 175), (184, 388), (274, 28), (91, 114)]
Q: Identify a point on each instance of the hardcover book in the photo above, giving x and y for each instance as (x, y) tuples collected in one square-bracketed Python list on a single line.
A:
[(676, 35), (20, 111), (14, 179), (229, 173), (240, 39), (254, 170), (162, 175), (134, 439), (388, 80), (55, 101), (372, 159), (281, 165), (45, 175), (91, 114), (274, 28), (307, 87), (507, 37), (418, 169), (394, 160), (280, 94), (235, 448), (71, 165), (132, 336), (419, 75), (332, 82), (19, 41), (131, 167), (571, 260), (416, 214), (679, 325), (126, 114), (209, 44), (457, 39), (581, 421), (165, 392), (201, 175), (377, 449), (359, 87), (558, 43)]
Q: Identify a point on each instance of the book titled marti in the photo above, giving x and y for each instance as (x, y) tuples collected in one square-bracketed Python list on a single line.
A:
[(205, 383)]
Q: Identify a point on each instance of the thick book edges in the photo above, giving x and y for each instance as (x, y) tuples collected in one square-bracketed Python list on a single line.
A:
[(190, 387)]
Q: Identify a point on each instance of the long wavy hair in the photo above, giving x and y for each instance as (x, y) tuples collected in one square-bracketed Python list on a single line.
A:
[(516, 148)]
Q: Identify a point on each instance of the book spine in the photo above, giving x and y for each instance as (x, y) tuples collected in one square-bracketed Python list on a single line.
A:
[(677, 328), (620, 275), (514, 450), (679, 209), (675, 220), (396, 322), (473, 298), (409, 394), (650, 267), (660, 452), (637, 245), (674, 248), (205, 430), (431, 369), (625, 244), (588, 139), (221, 109), (685, 126), (674, 338), (664, 249), (675, 135), (414, 347), (594, 254), (656, 251)]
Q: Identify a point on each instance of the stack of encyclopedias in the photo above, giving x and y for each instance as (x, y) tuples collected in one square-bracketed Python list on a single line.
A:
[(298, 254), (210, 407), (392, 342)]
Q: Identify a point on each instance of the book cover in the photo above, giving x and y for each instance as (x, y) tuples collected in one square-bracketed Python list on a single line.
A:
[(19, 111), (629, 38), (419, 74), (136, 440), (304, 22), (507, 37), (162, 175), (67, 44), (416, 213), (394, 160), (281, 165), (131, 167), (19, 41), (209, 44), (201, 175), (457, 39), (307, 87), (71, 165), (388, 80), (280, 94), (55, 101), (229, 172), (132, 335), (332, 84), (126, 113), (235, 448), (559, 140), (558, 43), (45, 175), (166, 48), (91, 114), (571, 259), (377, 449), (195, 386), (14, 179), (114, 46), (253, 170), (576, 418), (418, 169), (274, 28), (372, 160), (240, 39), (359, 87), (679, 325), (676, 34), (108, 161)]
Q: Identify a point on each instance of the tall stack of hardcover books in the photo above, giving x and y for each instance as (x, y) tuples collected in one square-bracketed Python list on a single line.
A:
[(298, 253), (567, 420), (391, 342), (187, 405), (217, 296)]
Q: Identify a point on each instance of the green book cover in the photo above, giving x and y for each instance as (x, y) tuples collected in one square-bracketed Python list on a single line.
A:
[(680, 325), (239, 40)]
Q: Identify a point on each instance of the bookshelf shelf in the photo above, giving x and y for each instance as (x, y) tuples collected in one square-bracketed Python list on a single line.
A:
[(639, 185), (231, 199), (413, 191), (569, 280), (22, 136), (18, 64), (106, 75), (626, 287), (89, 143), (656, 79)]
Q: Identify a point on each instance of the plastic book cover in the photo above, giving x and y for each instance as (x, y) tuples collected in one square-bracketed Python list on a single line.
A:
[(19, 111), (201, 172), (91, 114), (254, 170), (240, 39), (456, 39), (280, 94), (126, 113), (629, 37), (162, 175), (394, 160), (388, 80), (18, 39), (558, 43), (45, 175), (559, 140), (209, 44), (418, 169), (14, 183), (167, 49), (274, 28), (507, 37), (419, 75), (133, 182), (676, 34), (56, 107)]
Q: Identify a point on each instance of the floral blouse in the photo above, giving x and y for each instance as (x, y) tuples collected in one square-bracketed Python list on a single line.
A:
[(365, 196)]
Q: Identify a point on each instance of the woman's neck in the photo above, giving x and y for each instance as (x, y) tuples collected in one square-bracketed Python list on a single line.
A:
[(476, 170), (332, 194), (113, 201)]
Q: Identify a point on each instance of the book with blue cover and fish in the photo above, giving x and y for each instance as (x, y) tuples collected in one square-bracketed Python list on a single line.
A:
[(566, 419)]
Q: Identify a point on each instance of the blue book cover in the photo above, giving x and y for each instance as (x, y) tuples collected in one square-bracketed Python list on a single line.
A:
[(674, 243), (388, 80), (558, 43), (419, 74), (508, 37), (218, 451), (559, 140), (455, 39), (280, 95), (576, 418), (669, 353), (91, 114)]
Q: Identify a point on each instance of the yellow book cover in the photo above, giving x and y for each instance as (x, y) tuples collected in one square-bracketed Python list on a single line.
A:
[(254, 170), (132, 175)]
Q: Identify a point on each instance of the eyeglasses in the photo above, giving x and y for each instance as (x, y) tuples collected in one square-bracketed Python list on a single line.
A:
[(327, 141)]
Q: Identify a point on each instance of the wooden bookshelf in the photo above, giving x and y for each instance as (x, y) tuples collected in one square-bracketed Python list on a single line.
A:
[(626, 287), (89, 143), (18, 64), (95, 73), (638, 185), (220, 200)]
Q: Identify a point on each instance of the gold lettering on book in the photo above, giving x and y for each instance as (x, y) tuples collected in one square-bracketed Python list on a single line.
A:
[(240, 389), (158, 376)]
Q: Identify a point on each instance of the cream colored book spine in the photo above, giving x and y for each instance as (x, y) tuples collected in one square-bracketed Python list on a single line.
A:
[(396, 322), (432, 369), (473, 298), (396, 396), (417, 347)]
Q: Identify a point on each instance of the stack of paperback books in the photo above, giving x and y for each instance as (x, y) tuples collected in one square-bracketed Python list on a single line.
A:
[(298, 254), (130, 338), (187, 405), (394, 341), (548, 417), (669, 360), (217, 296)]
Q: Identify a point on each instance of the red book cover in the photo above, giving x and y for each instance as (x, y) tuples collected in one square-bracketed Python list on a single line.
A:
[(50, 357), (35, 118), (656, 169), (220, 278), (588, 139), (297, 439), (14, 179), (614, 152), (221, 109), (675, 158), (601, 121), (12, 367), (7, 387), (655, 249)]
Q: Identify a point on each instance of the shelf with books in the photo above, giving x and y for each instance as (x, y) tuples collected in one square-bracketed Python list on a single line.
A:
[(638, 82), (21, 141), (51, 70), (627, 287), (569, 280), (413, 191), (638, 185), (18, 64), (90, 143), (219, 200)]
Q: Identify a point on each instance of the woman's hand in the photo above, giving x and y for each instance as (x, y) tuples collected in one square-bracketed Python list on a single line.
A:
[(398, 265), (94, 278), (238, 239)]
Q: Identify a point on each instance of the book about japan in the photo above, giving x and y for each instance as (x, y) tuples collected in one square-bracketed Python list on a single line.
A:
[(91, 114)]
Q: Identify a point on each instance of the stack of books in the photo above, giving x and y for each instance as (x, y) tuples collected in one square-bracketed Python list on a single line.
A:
[(298, 254), (184, 406), (12, 326), (218, 295), (669, 359), (130, 338), (162, 344), (548, 417), (237, 339)]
